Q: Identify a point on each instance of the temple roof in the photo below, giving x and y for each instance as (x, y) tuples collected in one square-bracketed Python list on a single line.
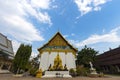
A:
[(58, 40)]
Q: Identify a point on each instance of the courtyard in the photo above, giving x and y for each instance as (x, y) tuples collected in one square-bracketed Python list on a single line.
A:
[(10, 77)]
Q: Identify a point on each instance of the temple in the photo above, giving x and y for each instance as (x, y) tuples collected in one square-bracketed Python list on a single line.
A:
[(57, 54)]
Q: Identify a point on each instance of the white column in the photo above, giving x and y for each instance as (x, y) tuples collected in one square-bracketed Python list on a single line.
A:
[(74, 64), (70, 59), (44, 61), (65, 59), (52, 57), (48, 60), (40, 62)]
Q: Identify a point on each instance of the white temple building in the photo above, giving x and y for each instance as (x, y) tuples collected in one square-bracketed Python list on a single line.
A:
[(58, 45)]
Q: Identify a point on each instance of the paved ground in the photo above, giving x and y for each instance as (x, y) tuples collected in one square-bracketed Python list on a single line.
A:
[(4, 71), (10, 77)]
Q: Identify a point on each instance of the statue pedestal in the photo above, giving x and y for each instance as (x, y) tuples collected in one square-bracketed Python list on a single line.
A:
[(64, 74), (93, 71)]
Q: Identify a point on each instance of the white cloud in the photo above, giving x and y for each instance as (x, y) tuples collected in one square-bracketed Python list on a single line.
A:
[(13, 22), (86, 6), (34, 9), (24, 32), (72, 34), (111, 37), (65, 36), (115, 30), (74, 42), (27, 8), (44, 4), (45, 18), (33, 55), (16, 45)]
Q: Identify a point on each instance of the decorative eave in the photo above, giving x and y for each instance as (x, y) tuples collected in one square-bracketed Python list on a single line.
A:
[(58, 33)]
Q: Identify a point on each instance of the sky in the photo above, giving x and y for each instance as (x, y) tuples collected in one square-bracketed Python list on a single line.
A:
[(95, 23)]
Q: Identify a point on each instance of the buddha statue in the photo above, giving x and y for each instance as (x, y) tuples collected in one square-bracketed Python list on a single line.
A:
[(57, 63)]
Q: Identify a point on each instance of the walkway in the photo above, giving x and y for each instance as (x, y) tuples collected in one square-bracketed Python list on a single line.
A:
[(10, 77)]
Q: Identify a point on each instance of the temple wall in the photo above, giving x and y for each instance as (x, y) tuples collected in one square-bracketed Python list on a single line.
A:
[(44, 61), (70, 61), (48, 58)]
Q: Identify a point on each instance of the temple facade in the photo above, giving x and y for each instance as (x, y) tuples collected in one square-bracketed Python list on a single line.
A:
[(57, 53)]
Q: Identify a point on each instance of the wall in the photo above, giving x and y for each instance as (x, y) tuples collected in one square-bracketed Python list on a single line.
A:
[(48, 58), (6, 45)]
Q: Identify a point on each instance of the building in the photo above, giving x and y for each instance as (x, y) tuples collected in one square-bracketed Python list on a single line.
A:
[(6, 52), (58, 50), (109, 62)]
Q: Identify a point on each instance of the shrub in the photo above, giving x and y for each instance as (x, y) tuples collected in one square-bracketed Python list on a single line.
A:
[(72, 72), (82, 71), (33, 71)]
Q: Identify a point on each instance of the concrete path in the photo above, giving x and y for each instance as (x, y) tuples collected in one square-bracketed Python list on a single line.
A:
[(10, 77), (4, 71)]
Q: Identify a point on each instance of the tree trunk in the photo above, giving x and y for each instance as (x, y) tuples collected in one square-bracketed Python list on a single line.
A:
[(18, 70)]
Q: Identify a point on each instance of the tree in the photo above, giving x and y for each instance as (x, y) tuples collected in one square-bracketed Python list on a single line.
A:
[(35, 61), (22, 58), (85, 56), (34, 65)]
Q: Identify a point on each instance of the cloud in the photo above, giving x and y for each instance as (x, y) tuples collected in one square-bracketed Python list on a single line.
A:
[(72, 34), (111, 37), (16, 45), (34, 8), (24, 32), (33, 55), (45, 18), (65, 36), (115, 30), (86, 6), (14, 19), (44, 4)]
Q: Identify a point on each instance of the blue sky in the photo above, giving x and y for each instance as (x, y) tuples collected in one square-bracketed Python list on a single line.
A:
[(95, 23)]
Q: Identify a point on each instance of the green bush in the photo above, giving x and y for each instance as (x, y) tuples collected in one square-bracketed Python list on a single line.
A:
[(33, 71), (72, 72), (81, 71)]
